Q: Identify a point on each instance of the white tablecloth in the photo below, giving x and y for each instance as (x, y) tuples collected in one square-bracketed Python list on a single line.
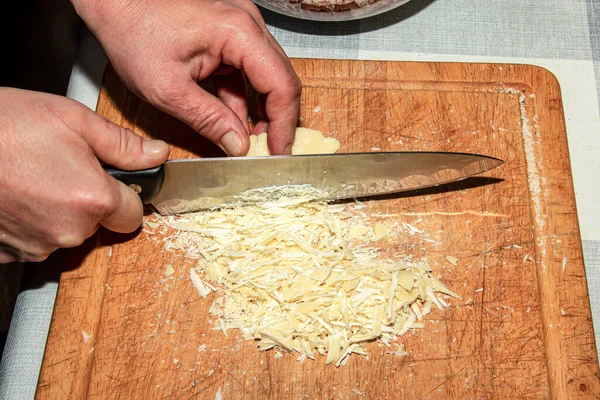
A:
[(560, 35)]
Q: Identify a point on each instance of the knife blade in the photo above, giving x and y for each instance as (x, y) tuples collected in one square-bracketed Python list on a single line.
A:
[(195, 184)]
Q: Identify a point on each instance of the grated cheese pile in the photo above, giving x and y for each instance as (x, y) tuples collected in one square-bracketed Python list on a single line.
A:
[(292, 281)]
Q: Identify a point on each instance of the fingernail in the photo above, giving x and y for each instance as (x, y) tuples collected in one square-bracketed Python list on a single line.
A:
[(288, 150), (154, 147), (231, 143)]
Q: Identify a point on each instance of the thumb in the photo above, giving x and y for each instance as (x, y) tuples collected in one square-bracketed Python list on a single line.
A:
[(119, 146), (208, 116)]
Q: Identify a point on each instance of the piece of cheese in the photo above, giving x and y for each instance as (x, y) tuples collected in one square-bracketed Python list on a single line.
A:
[(380, 231), (310, 141), (258, 146), (307, 141)]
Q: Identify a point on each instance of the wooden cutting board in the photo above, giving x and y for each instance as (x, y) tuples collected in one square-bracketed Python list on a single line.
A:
[(523, 329)]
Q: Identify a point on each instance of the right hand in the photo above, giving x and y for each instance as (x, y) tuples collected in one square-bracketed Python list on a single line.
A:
[(53, 191), (161, 49)]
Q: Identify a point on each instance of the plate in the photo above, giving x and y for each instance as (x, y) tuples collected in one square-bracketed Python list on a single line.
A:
[(294, 10)]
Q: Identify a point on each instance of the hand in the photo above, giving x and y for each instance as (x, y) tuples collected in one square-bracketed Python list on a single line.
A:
[(161, 49), (53, 190)]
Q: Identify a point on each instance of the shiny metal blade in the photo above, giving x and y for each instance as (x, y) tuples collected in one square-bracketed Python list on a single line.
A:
[(196, 184)]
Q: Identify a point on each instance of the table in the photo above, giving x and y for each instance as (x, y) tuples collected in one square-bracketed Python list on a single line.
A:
[(560, 35)]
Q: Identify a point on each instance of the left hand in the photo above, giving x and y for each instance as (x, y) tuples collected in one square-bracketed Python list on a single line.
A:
[(161, 49)]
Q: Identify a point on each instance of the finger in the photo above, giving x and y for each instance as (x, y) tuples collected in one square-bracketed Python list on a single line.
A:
[(231, 90), (208, 116), (278, 47), (279, 108), (120, 147), (273, 76), (127, 211), (282, 113), (260, 127)]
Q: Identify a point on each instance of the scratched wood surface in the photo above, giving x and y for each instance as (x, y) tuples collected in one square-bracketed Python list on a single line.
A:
[(523, 329)]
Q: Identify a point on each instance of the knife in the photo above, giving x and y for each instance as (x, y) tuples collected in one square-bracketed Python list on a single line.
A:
[(196, 184)]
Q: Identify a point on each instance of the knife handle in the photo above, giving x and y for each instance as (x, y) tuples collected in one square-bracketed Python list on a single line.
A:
[(146, 182)]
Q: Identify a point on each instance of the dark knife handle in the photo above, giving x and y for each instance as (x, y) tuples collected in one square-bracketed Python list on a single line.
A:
[(146, 182)]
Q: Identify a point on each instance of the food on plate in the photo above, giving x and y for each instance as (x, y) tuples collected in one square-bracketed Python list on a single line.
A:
[(331, 5)]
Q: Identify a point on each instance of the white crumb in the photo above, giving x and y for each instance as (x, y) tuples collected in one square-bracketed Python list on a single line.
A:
[(86, 336)]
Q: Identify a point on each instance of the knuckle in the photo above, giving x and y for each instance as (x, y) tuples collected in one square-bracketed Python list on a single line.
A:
[(240, 15), (96, 205), (163, 91), (76, 113), (252, 9), (69, 113), (159, 96), (124, 141), (60, 237), (200, 116), (207, 119), (66, 240), (102, 205), (37, 253), (295, 86), (241, 22), (92, 209)]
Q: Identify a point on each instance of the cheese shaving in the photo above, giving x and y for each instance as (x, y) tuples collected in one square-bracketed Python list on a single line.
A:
[(358, 232), (198, 284), (86, 336), (452, 260), (290, 280), (380, 231), (400, 352)]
